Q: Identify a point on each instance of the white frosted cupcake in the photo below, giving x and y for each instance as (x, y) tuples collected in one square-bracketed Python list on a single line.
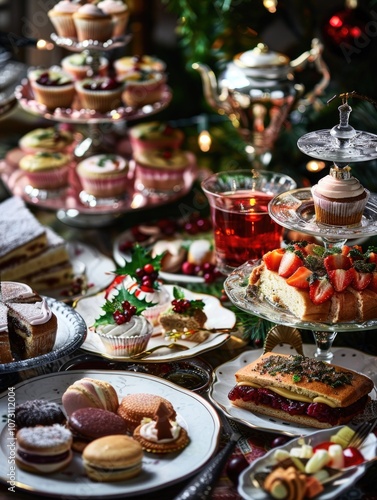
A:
[(119, 12), (127, 64), (61, 17), (78, 67), (121, 328), (48, 139), (142, 87), (104, 175), (339, 199), (92, 23), (154, 135)]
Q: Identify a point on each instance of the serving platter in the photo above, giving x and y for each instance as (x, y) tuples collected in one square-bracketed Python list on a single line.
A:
[(219, 318), (70, 335), (248, 490), (225, 381), (158, 471)]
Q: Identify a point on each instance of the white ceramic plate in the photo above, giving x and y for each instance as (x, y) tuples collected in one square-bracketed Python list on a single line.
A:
[(225, 381), (70, 334), (95, 268), (247, 489), (218, 318), (158, 471)]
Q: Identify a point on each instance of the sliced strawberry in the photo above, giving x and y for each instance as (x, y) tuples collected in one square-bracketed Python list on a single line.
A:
[(314, 249), (320, 290), (341, 278), (337, 261), (361, 280), (372, 257), (373, 282), (289, 263), (346, 250), (273, 258), (300, 278)]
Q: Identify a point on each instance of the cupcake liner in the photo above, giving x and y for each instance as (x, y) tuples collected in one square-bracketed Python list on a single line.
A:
[(347, 212), (60, 96), (120, 21), (49, 179), (64, 25), (105, 188), (125, 346), (93, 29), (140, 94), (100, 100), (153, 313)]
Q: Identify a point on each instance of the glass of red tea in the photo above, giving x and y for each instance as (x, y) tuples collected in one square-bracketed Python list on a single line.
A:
[(243, 228)]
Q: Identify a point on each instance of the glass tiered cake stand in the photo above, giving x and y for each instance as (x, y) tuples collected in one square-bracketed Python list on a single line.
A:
[(295, 210), (71, 204)]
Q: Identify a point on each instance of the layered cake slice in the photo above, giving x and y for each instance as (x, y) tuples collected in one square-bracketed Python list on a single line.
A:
[(333, 286), (6, 355)]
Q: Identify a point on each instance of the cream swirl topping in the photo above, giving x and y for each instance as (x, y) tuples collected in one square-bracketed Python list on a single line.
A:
[(339, 188), (91, 10), (102, 164), (66, 6), (137, 326), (112, 6), (148, 431), (42, 313)]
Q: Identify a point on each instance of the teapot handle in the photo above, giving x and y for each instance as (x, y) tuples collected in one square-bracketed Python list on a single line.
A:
[(314, 55)]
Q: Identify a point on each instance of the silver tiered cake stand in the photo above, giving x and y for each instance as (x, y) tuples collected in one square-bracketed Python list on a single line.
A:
[(295, 210)]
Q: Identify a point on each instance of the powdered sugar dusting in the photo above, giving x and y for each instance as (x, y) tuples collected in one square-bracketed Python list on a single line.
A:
[(45, 436)]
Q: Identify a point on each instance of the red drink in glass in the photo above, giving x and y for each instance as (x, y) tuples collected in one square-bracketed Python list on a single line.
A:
[(243, 229)]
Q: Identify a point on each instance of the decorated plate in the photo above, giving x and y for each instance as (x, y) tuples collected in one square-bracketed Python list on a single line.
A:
[(249, 489), (158, 471), (70, 334), (92, 273), (225, 381), (219, 319)]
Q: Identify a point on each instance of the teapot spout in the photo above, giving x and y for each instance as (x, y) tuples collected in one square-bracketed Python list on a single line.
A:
[(210, 88)]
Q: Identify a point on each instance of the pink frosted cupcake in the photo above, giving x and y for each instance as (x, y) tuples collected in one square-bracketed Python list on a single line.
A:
[(61, 17), (52, 87), (143, 87), (155, 135), (119, 12), (339, 199), (127, 64), (78, 67), (163, 170), (121, 328), (46, 170), (92, 23), (104, 176), (100, 94)]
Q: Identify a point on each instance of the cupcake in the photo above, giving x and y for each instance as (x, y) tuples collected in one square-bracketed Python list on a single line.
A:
[(154, 135), (140, 278), (46, 170), (339, 199), (127, 64), (119, 12), (48, 139), (79, 67), (61, 17), (121, 328), (104, 175), (52, 87), (162, 170), (92, 23), (100, 94), (142, 87)]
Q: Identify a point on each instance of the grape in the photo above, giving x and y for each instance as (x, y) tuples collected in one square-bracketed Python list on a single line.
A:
[(279, 441), (235, 466)]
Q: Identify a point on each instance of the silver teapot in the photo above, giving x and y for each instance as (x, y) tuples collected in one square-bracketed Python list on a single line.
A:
[(257, 90)]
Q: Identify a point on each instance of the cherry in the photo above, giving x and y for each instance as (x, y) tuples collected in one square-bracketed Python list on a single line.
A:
[(191, 228), (279, 441), (139, 272), (203, 224), (352, 456), (188, 268), (148, 268), (235, 466)]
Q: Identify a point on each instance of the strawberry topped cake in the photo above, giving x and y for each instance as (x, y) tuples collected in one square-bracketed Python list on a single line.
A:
[(334, 285), (140, 278)]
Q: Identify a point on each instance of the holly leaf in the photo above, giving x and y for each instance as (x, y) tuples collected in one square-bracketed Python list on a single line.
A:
[(139, 257), (115, 304), (178, 293)]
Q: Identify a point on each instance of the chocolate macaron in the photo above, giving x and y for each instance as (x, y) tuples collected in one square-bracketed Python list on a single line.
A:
[(87, 424)]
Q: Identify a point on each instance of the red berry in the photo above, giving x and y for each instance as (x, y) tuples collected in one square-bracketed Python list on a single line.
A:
[(148, 268), (188, 268), (139, 272), (126, 305)]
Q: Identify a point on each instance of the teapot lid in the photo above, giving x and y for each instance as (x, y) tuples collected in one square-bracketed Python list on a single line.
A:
[(261, 57)]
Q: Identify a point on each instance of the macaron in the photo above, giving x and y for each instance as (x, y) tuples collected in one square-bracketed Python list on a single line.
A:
[(43, 449), (38, 412), (87, 424), (113, 458), (90, 393)]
